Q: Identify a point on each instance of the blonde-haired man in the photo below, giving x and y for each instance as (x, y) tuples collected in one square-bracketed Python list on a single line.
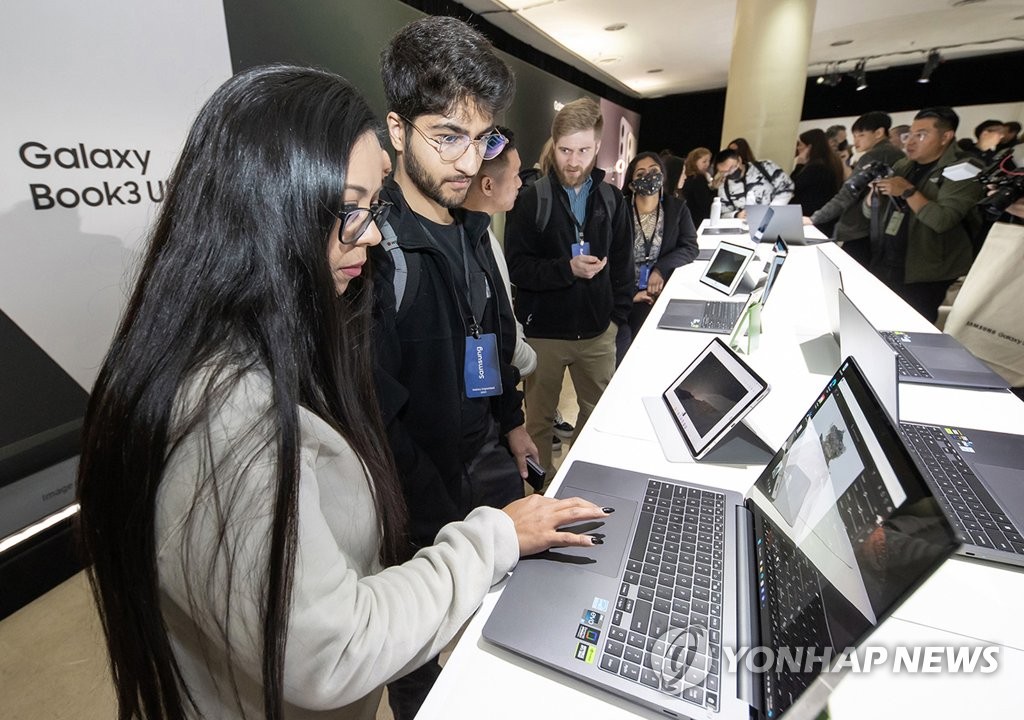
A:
[(569, 247)]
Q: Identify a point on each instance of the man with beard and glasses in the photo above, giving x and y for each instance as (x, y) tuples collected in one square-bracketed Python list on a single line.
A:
[(445, 329), (922, 230), (573, 272)]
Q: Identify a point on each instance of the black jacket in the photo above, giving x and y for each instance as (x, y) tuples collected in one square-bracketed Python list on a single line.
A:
[(420, 359), (551, 302), (813, 187), (845, 204), (699, 196)]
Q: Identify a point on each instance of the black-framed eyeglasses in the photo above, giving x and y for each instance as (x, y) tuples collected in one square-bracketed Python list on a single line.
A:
[(355, 221), (452, 146)]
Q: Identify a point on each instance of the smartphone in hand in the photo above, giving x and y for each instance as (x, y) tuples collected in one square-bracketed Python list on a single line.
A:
[(534, 474)]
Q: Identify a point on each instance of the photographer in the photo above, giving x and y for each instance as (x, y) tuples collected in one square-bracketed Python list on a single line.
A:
[(870, 137), (922, 230)]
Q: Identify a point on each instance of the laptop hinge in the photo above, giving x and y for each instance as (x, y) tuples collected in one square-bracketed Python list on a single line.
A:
[(749, 685)]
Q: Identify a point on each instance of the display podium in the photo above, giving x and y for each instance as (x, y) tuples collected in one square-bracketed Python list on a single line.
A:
[(965, 603)]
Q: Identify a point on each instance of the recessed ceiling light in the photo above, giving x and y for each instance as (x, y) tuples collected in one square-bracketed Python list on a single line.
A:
[(840, 43), (656, 70), (1019, 17), (961, 3), (608, 60), (615, 27)]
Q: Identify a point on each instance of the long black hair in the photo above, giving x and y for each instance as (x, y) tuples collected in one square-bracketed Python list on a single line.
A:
[(235, 279)]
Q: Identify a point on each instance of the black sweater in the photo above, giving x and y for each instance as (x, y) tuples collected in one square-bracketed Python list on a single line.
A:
[(420, 359)]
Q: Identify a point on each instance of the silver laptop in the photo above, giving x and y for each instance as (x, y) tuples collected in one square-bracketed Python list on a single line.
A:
[(837, 531), (940, 359), (718, 316), (978, 475), (831, 284), (768, 222)]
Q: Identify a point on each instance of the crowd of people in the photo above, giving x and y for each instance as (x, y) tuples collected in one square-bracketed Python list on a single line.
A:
[(304, 456)]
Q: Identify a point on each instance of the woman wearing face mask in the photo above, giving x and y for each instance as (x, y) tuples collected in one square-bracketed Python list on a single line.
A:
[(664, 238)]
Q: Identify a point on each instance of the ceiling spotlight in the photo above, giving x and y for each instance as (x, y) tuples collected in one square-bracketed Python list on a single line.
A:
[(929, 66), (615, 27), (831, 76), (860, 76), (840, 43), (656, 70)]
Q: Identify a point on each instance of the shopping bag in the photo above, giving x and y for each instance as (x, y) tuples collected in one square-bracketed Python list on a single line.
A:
[(987, 315)]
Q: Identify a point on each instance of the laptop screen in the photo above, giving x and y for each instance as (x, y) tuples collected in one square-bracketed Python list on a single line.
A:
[(844, 527), (758, 234), (773, 274)]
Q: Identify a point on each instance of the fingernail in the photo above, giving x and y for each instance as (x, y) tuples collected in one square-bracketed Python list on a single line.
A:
[(607, 510), (595, 540)]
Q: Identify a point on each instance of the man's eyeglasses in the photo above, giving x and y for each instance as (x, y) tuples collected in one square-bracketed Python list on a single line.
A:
[(355, 221), (453, 146)]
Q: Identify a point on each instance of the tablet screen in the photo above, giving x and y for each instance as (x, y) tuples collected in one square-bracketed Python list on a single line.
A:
[(725, 271), (712, 395)]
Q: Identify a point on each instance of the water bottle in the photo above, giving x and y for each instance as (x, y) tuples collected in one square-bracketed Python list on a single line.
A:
[(716, 212)]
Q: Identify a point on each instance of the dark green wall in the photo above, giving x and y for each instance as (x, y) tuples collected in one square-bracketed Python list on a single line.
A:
[(347, 37)]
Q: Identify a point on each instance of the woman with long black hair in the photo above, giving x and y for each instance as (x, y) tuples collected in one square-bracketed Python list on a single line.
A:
[(238, 505), (663, 238), (820, 176)]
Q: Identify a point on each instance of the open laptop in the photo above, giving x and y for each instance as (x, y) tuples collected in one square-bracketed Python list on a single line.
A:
[(831, 284), (837, 531), (978, 475), (717, 316), (767, 222), (939, 359)]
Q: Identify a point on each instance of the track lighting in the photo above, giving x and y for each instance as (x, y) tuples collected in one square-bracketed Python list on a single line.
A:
[(860, 76), (929, 66)]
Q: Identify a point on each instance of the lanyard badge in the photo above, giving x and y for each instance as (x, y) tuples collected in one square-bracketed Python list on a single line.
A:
[(481, 373)]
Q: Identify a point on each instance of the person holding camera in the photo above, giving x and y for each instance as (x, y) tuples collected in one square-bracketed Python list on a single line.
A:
[(922, 229), (852, 229)]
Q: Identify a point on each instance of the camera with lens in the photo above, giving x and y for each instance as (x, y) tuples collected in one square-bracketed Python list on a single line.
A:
[(1003, 176), (876, 170), (1008, 181)]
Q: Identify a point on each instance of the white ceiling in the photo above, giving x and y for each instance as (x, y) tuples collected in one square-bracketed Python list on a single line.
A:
[(690, 40)]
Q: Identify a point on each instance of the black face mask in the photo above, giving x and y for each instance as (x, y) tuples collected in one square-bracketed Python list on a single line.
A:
[(649, 184), (736, 174)]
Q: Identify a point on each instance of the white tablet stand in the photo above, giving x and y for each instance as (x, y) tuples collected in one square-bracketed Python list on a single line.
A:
[(740, 446)]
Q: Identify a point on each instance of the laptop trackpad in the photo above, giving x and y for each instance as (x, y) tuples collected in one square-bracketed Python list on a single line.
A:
[(945, 358), (604, 559), (1007, 487)]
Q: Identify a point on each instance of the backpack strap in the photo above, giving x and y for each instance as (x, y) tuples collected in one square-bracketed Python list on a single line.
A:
[(608, 198), (544, 199), (406, 276)]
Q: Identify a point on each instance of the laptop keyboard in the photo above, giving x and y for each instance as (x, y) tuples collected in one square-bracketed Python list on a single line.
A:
[(971, 510), (666, 630), (907, 363), (863, 504), (721, 314), (797, 613)]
